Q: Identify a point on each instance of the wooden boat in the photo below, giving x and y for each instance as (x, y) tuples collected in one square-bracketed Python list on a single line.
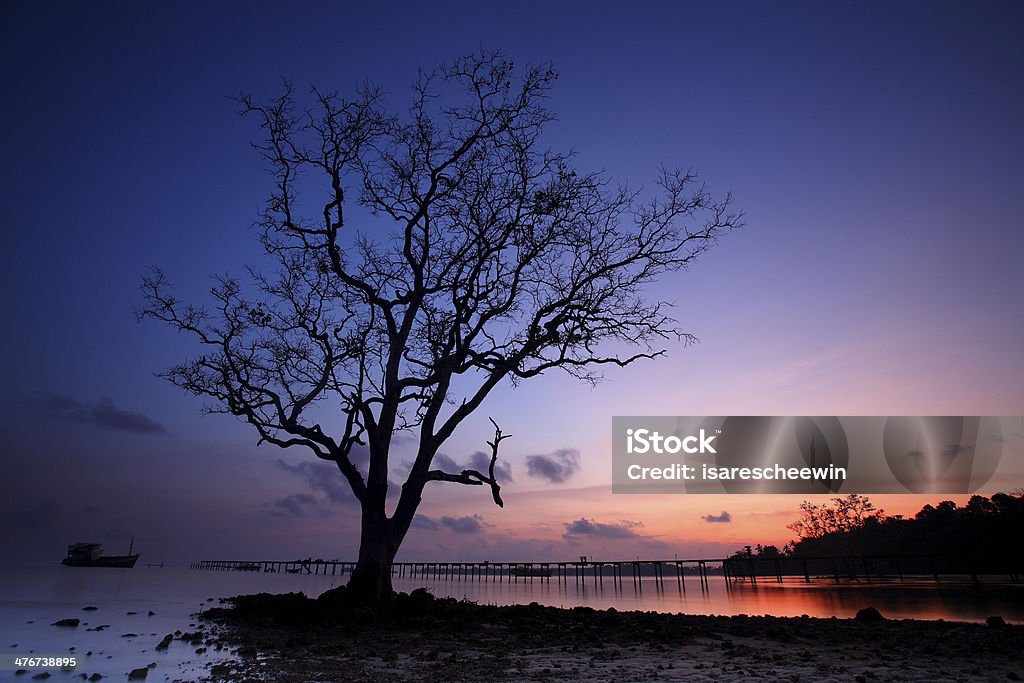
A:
[(91, 555)]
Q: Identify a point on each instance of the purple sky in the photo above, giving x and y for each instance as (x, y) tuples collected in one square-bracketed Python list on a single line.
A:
[(875, 147)]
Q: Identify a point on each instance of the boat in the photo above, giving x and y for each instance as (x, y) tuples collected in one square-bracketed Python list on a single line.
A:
[(91, 555)]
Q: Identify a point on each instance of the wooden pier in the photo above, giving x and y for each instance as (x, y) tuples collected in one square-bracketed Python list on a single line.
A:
[(587, 570), (581, 571)]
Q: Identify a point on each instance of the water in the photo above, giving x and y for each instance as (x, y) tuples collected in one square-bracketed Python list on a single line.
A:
[(912, 599), (32, 598)]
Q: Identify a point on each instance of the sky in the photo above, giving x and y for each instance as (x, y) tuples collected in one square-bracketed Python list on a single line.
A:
[(875, 148)]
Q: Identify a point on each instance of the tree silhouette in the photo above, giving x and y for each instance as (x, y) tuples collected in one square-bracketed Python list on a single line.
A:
[(838, 516), (420, 260), (981, 537)]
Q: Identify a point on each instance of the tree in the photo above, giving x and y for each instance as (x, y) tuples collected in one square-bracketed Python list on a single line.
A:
[(419, 261), (838, 516)]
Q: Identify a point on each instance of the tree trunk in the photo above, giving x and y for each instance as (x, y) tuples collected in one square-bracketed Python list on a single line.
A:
[(371, 578), (379, 541)]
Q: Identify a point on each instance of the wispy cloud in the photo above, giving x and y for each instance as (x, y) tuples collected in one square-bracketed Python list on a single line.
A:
[(445, 463), (297, 505), (723, 518), (424, 522), (479, 461), (102, 414), (593, 528), (323, 477), (556, 467), (469, 524)]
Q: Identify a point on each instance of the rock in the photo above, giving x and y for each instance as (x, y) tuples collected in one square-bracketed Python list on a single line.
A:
[(41, 676), (869, 614), (996, 621), (163, 644), (138, 674), (151, 613), (95, 677), (1012, 676), (89, 608), (72, 623)]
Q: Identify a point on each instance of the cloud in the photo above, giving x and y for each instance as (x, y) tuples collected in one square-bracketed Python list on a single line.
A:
[(585, 531), (298, 504), (323, 477), (592, 528), (445, 463), (102, 414), (470, 524), (424, 522), (479, 461), (723, 518), (502, 468), (556, 467)]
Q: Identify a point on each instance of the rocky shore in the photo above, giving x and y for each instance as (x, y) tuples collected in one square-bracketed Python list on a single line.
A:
[(421, 638)]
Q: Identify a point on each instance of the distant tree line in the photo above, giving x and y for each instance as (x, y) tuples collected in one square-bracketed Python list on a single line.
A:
[(980, 537)]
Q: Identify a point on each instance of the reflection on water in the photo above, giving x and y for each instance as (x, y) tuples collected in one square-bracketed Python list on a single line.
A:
[(31, 599), (911, 599)]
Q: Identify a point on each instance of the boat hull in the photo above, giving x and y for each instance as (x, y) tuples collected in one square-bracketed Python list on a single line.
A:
[(116, 561)]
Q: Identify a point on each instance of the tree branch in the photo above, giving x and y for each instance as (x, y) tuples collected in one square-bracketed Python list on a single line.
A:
[(474, 477)]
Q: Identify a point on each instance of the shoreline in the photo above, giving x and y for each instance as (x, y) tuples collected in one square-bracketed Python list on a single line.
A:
[(422, 638)]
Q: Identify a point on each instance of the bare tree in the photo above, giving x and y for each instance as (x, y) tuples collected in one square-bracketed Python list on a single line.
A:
[(429, 257), (839, 515)]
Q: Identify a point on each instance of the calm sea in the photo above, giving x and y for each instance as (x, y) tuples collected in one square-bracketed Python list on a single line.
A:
[(32, 598)]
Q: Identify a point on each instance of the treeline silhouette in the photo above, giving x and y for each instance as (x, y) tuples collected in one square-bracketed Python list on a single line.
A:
[(982, 537)]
